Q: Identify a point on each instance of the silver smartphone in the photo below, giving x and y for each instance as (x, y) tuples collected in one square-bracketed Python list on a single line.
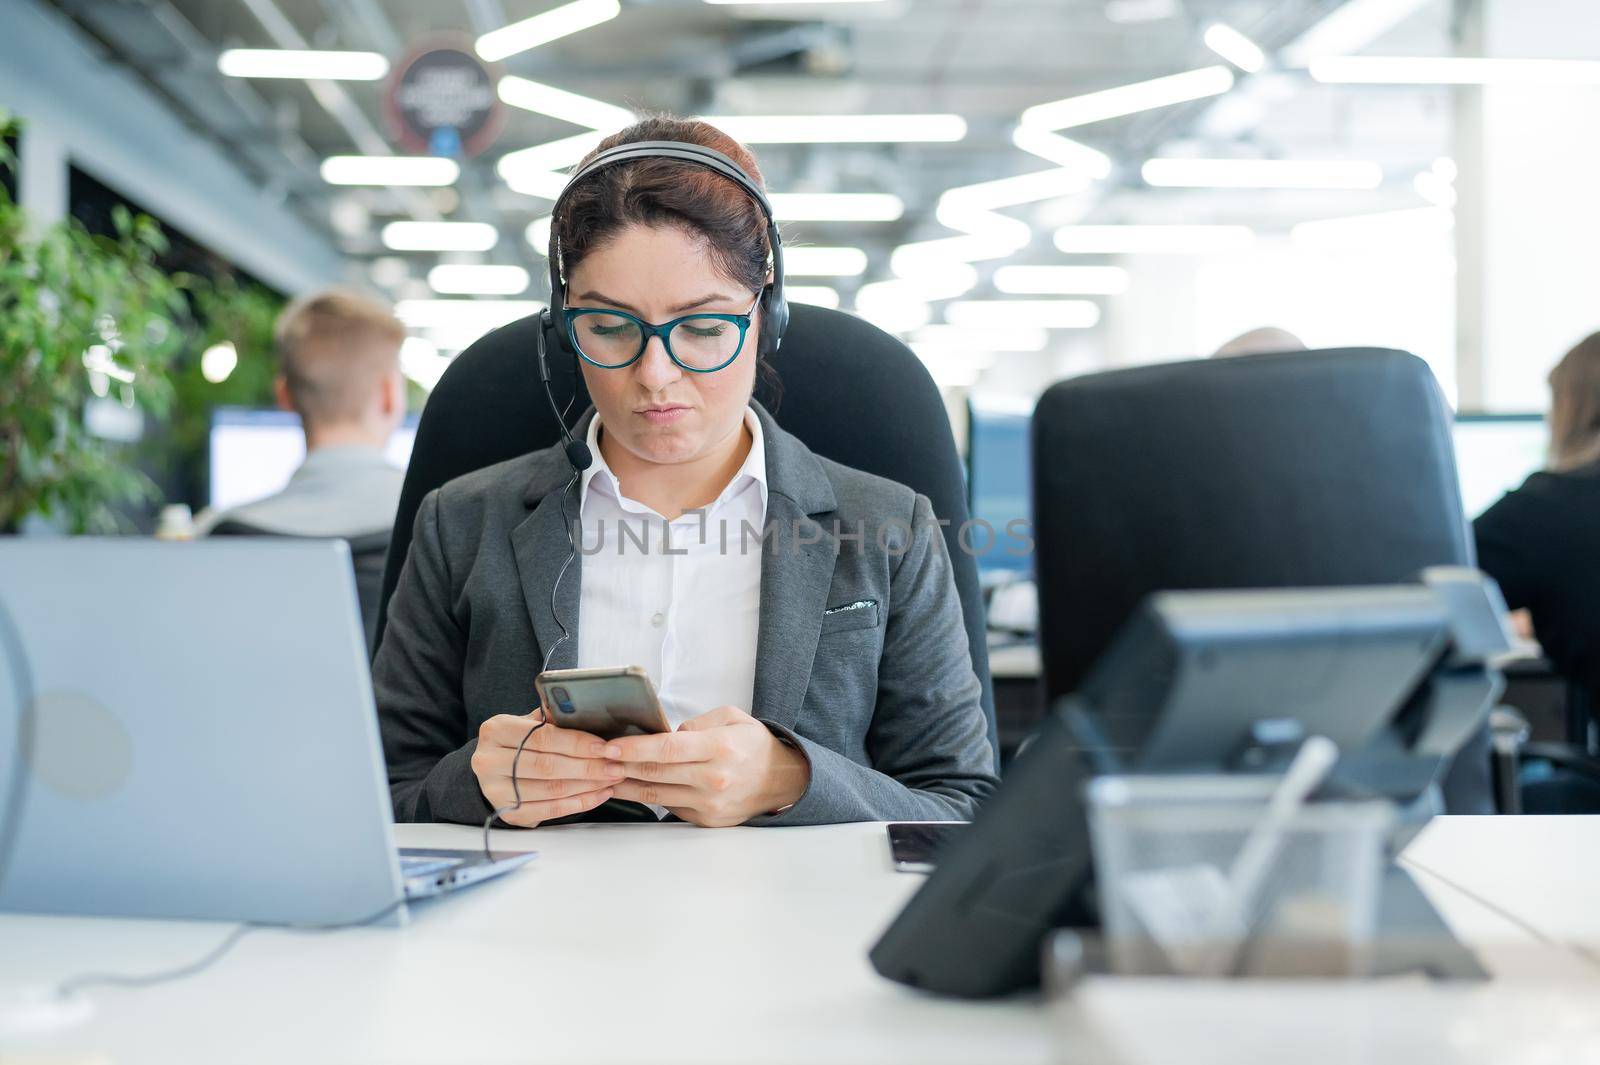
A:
[(610, 702)]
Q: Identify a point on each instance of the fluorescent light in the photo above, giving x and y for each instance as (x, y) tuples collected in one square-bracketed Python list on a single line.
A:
[(439, 236), (816, 295), (997, 231), (836, 206), (1262, 174), (1235, 47), (1453, 70), (389, 170), (552, 155), (482, 315), (421, 362), (1061, 280), (1433, 188), (543, 28), (538, 236), (970, 247), (302, 64), (1125, 12), (546, 184), (824, 262), (1061, 150), (927, 279), (1023, 188), (892, 307), (958, 338), (787, 3), (971, 209), (559, 103), (1363, 231), (1130, 99), (1008, 314), (1350, 28), (1153, 240), (474, 279), (952, 369), (840, 129), (533, 171)]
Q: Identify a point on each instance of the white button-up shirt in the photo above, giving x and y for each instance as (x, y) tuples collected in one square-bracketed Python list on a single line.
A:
[(681, 599)]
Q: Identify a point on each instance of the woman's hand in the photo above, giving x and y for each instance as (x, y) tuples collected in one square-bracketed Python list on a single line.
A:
[(561, 771), (721, 768)]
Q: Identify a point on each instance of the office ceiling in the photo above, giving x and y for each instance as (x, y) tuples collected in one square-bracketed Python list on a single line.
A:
[(986, 60)]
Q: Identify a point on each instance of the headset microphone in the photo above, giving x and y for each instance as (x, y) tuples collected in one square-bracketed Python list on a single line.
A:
[(577, 451)]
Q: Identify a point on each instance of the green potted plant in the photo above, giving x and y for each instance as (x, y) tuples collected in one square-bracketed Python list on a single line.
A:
[(240, 317), (82, 318)]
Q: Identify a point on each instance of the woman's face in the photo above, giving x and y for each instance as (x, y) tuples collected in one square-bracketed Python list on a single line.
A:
[(654, 408)]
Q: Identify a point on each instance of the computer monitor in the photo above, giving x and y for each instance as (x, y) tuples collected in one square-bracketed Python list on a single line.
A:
[(999, 483), (1495, 453), (255, 451)]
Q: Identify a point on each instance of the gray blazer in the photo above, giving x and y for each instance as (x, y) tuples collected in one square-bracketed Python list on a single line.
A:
[(862, 657)]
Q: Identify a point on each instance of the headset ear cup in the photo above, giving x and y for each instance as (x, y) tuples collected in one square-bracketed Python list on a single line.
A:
[(555, 321), (774, 317)]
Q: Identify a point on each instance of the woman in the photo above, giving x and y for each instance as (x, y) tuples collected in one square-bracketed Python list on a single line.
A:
[(810, 678), (1542, 541)]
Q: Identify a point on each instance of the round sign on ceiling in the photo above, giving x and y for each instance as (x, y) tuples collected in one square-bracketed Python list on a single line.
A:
[(441, 100)]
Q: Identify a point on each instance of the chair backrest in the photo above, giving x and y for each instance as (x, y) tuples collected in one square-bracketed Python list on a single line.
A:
[(367, 553), (1297, 469), (849, 391)]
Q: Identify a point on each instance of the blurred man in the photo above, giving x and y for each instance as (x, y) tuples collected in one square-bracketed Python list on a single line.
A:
[(1264, 341), (339, 369)]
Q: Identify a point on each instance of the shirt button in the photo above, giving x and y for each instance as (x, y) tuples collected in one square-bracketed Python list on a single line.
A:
[(658, 619)]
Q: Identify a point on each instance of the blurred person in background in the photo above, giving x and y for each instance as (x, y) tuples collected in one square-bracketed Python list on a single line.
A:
[(1541, 542), (339, 369), (1264, 341)]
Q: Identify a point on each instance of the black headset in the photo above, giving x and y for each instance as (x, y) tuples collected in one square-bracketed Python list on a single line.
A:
[(774, 307)]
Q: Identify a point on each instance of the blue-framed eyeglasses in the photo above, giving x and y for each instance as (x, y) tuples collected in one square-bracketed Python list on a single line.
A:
[(700, 343)]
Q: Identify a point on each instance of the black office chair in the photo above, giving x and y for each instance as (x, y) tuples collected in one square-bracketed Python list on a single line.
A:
[(1296, 469), (367, 553), (849, 391), (1558, 777)]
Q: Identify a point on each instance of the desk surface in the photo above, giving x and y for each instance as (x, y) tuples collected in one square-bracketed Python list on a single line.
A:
[(671, 943)]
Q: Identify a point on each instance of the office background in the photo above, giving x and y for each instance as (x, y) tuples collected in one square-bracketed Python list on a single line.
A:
[(1016, 231)]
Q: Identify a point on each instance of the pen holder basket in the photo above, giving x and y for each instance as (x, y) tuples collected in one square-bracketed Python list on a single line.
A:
[(1194, 877)]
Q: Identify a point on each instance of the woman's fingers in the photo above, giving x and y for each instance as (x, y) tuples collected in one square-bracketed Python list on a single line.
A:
[(535, 812), (543, 765), (532, 790), (508, 730), (666, 747), (560, 772), (669, 795), (722, 715), (704, 775)]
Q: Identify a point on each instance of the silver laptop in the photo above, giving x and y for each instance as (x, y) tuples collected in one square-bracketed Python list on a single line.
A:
[(207, 743)]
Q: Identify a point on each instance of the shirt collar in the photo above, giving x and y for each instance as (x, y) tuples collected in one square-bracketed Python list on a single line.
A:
[(754, 469), (343, 456)]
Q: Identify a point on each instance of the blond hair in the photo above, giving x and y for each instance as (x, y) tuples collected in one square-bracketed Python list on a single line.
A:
[(334, 347), (1575, 406)]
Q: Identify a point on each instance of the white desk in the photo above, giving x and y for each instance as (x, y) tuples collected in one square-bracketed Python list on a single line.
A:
[(670, 943)]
